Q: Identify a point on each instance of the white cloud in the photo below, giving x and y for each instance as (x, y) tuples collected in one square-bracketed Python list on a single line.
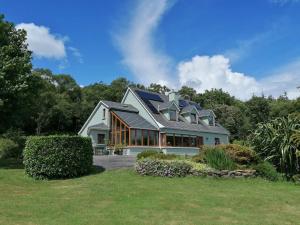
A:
[(151, 65), (135, 42), (205, 72), (285, 78), (42, 43)]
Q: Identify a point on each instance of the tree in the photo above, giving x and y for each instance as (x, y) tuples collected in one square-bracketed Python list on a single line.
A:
[(258, 110), (233, 119), (15, 77), (209, 99), (189, 92), (158, 88)]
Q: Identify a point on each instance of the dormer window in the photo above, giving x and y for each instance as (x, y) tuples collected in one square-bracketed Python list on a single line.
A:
[(193, 118), (172, 114)]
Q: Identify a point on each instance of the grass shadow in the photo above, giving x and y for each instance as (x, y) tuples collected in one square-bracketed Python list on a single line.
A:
[(11, 164), (97, 169)]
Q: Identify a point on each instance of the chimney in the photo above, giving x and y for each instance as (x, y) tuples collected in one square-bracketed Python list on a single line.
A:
[(174, 96)]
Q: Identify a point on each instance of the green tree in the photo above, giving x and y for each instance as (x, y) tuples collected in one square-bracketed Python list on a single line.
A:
[(258, 110), (15, 76), (158, 88), (189, 92)]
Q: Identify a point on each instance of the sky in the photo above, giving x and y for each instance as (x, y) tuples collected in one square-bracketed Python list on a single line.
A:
[(244, 47)]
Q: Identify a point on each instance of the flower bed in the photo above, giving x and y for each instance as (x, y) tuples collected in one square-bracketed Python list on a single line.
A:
[(182, 168)]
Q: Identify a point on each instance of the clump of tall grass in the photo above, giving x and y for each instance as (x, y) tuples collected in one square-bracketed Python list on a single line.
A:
[(218, 159)]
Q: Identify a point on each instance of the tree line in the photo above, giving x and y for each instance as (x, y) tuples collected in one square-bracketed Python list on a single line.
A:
[(36, 101)]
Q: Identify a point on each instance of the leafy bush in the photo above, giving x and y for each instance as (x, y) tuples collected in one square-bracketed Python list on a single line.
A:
[(198, 158), (199, 167), (240, 154), (57, 156), (18, 138), (146, 154), (217, 158), (296, 178), (161, 155), (267, 171), (162, 168), (8, 148), (276, 142)]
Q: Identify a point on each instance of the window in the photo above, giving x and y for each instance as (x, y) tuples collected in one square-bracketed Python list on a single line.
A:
[(103, 114), (211, 121), (217, 141), (193, 118), (145, 137), (151, 137), (172, 114), (100, 138), (170, 140), (138, 137)]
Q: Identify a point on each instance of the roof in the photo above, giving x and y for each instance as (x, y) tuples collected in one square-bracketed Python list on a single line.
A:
[(205, 112), (120, 106), (166, 105), (98, 126), (178, 125), (134, 120), (188, 109)]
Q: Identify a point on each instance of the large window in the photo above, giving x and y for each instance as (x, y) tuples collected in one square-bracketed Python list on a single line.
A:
[(183, 141), (138, 137), (121, 133), (172, 114), (170, 140)]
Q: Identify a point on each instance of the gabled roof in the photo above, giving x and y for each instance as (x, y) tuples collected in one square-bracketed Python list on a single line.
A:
[(178, 125), (206, 112), (189, 109), (99, 126), (120, 106), (134, 120), (167, 105)]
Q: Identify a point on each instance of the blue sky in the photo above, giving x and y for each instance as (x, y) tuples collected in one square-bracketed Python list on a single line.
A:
[(244, 47)]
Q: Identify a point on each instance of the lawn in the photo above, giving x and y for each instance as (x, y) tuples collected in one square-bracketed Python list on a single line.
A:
[(123, 197)]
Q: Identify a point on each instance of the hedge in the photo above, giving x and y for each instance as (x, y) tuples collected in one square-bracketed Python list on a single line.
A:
[(48, 157), (162, 168)]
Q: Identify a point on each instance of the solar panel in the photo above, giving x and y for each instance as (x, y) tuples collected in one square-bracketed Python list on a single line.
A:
[(182, 103), (146, 97), (149, 96)]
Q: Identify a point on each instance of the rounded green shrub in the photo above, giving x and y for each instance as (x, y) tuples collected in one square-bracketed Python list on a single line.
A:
[(8, 148), (240, 154), (266, 170), (48, 157)]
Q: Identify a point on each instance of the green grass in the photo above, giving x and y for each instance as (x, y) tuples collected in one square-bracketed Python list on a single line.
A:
[(123, 197)]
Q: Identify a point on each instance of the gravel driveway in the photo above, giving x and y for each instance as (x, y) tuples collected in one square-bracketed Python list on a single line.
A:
[(114, 161)]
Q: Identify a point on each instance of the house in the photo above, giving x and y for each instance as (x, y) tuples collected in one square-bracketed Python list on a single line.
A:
[(146, 120)]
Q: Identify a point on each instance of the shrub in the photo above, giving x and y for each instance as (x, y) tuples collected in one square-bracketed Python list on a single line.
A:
[(18, 138), (161, 155), (218, 159), (146, 154), (267, 171), (8, 148), (198, 158), (162, 168), (58, 156), (197, 168), (240, 154)]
